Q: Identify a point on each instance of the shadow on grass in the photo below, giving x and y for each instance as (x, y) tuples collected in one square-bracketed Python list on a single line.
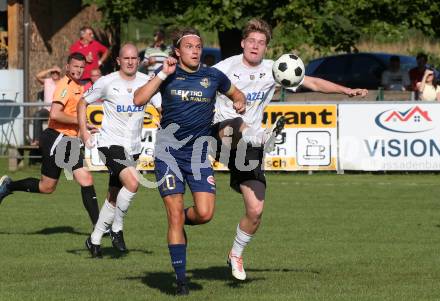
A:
[(108, 253), (164, 282), (49, 231)]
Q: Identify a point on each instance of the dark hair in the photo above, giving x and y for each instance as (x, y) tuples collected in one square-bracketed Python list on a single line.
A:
[(179, 35), (422, 55), (395, 58), (76, 56), (160, 32)]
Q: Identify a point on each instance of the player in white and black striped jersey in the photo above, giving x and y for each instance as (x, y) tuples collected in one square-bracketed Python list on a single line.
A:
[(119, 142)]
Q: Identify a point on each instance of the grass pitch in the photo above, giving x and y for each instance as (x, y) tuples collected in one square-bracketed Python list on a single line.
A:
[(323, 237)]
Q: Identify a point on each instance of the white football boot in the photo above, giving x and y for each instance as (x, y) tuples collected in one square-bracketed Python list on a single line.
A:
[(236, 264)]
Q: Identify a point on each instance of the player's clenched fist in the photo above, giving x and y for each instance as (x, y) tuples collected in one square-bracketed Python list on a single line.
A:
[(240, 106), (169, 65)]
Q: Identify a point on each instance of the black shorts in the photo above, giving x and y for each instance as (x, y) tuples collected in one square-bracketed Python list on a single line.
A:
[(239, 176), (69, 151), (116, 160)]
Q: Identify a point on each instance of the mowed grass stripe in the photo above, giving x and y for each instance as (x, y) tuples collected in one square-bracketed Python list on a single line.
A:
[(323, 237)]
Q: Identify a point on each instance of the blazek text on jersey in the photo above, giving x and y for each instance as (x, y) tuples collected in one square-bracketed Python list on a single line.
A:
[(129, 108)]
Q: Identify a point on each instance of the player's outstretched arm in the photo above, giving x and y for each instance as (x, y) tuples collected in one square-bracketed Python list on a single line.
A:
[(146, 92), (238, 99), (324, 86)]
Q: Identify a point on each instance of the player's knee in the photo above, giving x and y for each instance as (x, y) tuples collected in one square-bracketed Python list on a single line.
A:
[(255, 214), (204, 215), (85, 179), (47, 188), (132, 186), (176, 218)]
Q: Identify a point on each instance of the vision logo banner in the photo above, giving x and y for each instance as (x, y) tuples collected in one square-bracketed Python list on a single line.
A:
[(412, 120), (389, 136)]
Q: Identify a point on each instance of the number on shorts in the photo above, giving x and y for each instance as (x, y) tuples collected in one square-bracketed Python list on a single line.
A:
[(170, 182)]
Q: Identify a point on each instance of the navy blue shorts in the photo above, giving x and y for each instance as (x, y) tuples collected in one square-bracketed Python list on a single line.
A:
[(201, 180)]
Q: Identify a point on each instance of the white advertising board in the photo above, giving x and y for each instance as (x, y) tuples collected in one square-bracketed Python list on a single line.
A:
[(389, 136)]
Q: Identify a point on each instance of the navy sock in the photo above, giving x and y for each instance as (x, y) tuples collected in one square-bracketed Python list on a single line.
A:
[(90, 202), (178, 260), (28, 185), (187, 220)]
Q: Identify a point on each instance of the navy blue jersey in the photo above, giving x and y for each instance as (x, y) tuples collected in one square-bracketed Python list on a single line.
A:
[(188, 99)]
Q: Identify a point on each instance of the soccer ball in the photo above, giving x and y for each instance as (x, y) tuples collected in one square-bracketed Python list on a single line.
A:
[(288, 70)]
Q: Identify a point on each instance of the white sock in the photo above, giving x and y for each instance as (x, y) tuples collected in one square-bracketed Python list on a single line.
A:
[(105, 220), (122, 203), (240, 242), (249, 135)]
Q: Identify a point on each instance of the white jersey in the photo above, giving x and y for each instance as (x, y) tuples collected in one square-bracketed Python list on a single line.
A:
[(257, 84), (123, 120)]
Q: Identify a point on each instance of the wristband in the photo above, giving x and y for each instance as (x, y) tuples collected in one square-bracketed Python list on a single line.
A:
[(162, 75)]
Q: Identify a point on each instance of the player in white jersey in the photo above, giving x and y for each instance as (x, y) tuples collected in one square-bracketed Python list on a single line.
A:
[(252, 74), (119, 143)]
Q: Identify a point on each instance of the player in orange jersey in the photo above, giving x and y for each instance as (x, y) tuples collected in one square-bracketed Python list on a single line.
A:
[(60, 145)]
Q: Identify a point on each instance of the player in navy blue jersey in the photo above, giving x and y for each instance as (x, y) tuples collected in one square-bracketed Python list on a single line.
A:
[(188, 99)]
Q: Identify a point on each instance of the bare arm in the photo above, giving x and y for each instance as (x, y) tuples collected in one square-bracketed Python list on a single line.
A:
[(421, 85), (144, 93), (57, 114), (104, 56), (42, 75), (81, 109), (238, 99), (324, 86)]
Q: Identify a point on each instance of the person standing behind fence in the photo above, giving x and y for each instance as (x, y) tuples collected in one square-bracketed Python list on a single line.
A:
[(95, 53), (416, 73), (428, 88), (60, 145), (394, 78), (49, 79), (155, 54), (95, 74)]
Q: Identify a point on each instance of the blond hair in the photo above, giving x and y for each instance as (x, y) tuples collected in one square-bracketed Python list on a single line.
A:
[(257, 25)]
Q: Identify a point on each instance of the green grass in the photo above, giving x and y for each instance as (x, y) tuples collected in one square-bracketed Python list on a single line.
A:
[(323, 237)]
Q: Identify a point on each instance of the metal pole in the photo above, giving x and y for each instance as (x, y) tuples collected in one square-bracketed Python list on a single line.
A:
[(26, 26)]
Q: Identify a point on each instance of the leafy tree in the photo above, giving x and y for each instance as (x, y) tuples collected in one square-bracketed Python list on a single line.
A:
[(324, 25)]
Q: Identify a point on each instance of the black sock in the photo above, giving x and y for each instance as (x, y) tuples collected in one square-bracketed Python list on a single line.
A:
[(90, 202), (187, 220), (28, 185)]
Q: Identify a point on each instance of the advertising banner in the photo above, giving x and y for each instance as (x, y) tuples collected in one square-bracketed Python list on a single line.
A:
[(308, 141), (309, 138), (389, 136)]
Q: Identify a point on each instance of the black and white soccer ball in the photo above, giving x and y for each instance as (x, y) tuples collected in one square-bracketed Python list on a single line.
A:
[(288, 70)]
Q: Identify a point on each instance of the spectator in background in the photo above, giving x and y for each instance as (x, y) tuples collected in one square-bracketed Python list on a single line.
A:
[(428, 88), (209, 60), (49, 79), (416, 73), (95, 74), (394, 78), (155, 54), (96, 53)]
